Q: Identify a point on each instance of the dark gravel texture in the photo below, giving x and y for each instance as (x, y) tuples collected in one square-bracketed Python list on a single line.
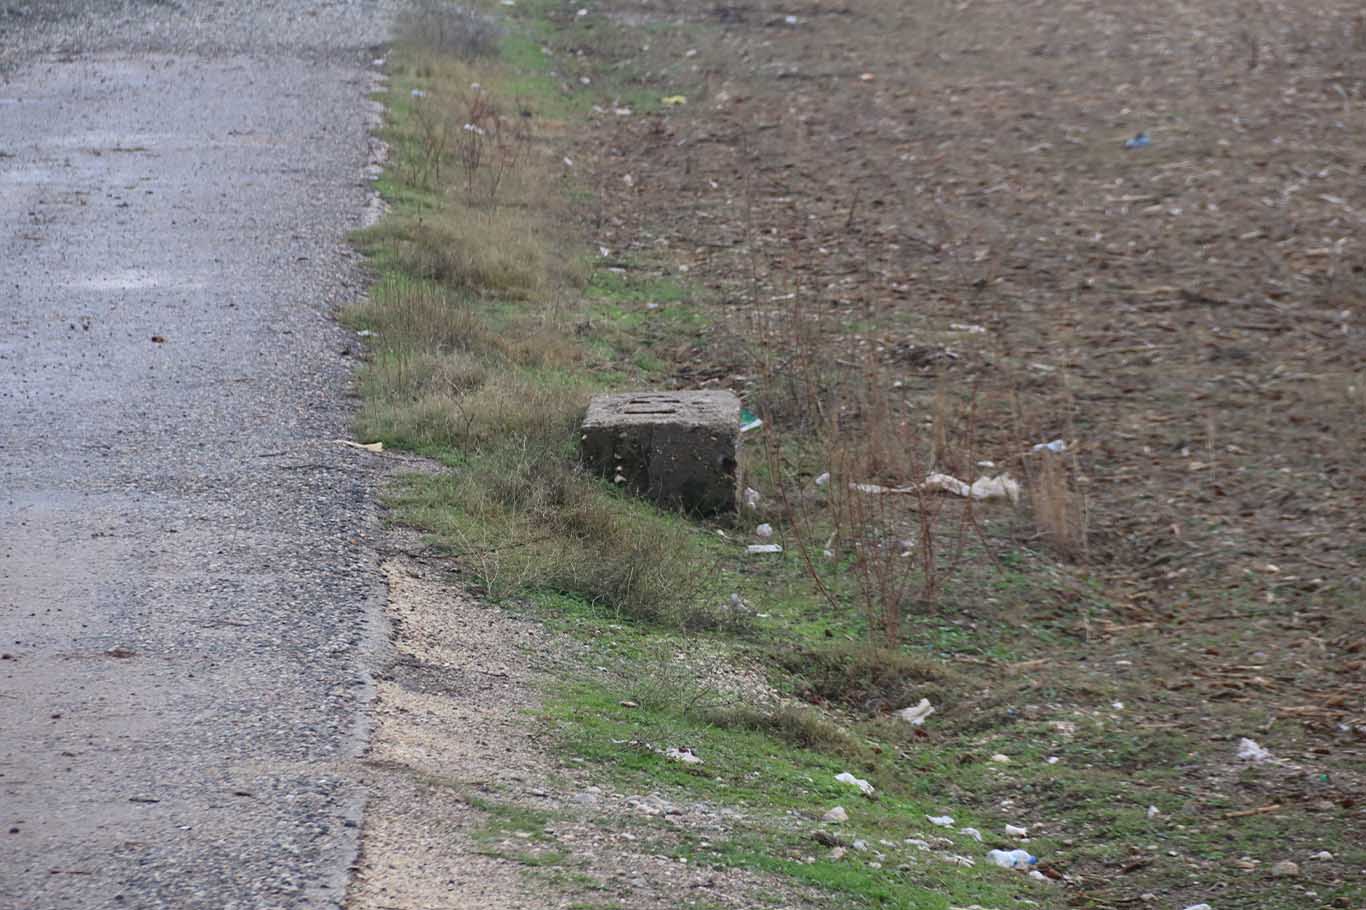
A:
[(188, 597)]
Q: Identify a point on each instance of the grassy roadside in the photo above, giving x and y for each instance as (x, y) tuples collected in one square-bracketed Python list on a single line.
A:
[(492, 323)]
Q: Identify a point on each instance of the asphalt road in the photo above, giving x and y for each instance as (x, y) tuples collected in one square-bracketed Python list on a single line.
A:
[(188, 595)]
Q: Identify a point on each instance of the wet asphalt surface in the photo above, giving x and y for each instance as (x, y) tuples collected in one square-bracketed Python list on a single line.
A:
[(188, 595)]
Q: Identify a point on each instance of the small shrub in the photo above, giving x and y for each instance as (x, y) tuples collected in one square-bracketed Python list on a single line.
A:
[(874, 680), (446, 27)]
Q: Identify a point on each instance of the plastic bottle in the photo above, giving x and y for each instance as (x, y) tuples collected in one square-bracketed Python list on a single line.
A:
[(1012, 859)]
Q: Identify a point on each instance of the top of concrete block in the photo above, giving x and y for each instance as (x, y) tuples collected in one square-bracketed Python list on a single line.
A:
[(701, 409)]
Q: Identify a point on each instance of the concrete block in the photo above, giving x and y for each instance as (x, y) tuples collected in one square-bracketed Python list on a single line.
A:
[(676, 448)]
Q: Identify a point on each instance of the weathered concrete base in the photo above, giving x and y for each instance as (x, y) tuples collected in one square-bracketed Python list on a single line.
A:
[(676, 448)]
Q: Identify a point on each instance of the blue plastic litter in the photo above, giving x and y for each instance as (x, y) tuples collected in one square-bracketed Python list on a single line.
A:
[(1141, 141)]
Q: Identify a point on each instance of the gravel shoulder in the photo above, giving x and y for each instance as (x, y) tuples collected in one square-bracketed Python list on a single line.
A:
[(188, 592)]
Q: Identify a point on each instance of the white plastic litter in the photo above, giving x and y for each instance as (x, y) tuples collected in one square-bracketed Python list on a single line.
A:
[(764, 548), (752, 498), (1199, 907), (1040, 877), (1249, 750), (1013, 831), (945, 484), (764, 530), (865, 788), (367, 446), (1012, 859), (972, 833), (836, 814), (685, 755), (1322, 854), (1002, 486), (916, 714), (942, 821), (957, 860), (1154, 812), (970, 328), (751, 425), (1057, 446), (823, 479)]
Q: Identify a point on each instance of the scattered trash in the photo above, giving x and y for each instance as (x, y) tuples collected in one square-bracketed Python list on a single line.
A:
[(943, 483), (1057, 446), (1000, 486), (941, 821), (1249, 750), (627, 703), (366, 333), (1139, 141), (823, 479), (867, 77), (418, 93), (685, 755), (1285, 869), (860, 844), (916, 714), (1322, 854), (1039, 876), (1199, 907), (764, 530), (1117, 705), (752, 498), (751, 425), (972, 833), (845, 777), (367, 446), (764, 548), (1013, 831), (1052, 759), (957, 860), (1012, 859), (836, 815), (970, 328), (790, 20), (1153, 812), (674, 100), (581, 13)]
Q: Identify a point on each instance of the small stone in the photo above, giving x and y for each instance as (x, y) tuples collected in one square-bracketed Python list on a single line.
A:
[(1285, 869), (836, 815), (860, 844), (837, 854), (1001, 758)]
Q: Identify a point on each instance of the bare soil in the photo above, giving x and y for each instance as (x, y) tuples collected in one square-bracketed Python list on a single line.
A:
[(944, 189)]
